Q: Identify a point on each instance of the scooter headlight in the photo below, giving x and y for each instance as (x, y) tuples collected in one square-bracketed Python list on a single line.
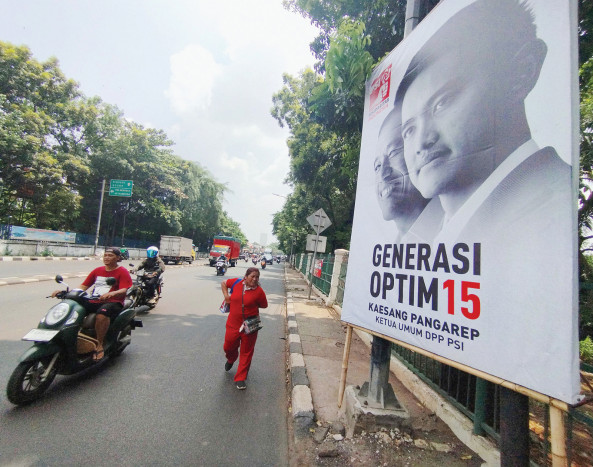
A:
[(57, 313), (72, 318)]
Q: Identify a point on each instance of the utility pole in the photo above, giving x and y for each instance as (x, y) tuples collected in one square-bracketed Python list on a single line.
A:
[(123, 228), (99, 217)]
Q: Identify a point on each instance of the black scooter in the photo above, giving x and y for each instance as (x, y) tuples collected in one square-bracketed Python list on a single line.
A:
[(220, 268), (64, 343)]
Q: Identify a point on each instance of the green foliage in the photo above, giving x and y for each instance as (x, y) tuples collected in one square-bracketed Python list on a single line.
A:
[(57, 146), (324, 116), (230, 228), (586, 350), (384, 19)]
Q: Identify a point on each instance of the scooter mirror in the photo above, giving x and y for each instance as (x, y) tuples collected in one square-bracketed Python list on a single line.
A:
[(59, 279), (110, 281)]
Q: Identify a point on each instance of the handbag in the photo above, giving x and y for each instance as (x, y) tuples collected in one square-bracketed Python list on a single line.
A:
[(252, 324), (226, 307)]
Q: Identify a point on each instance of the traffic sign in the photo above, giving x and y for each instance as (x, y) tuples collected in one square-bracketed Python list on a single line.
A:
[(316, 244), (120, 187), (319, 220)]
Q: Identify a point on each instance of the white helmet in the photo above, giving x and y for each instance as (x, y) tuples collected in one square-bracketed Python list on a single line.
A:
[(152, 252)]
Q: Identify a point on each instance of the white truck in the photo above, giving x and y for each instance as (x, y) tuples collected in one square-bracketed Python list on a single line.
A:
[(176, 249)]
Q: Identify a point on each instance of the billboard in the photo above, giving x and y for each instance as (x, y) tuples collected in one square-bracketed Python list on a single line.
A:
[(464, 235), (27, 233)]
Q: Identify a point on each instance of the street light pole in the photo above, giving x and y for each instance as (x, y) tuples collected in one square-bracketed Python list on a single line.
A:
[(99, 217)]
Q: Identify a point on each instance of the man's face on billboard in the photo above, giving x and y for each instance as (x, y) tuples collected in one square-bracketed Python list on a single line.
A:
[(449, 126), (391, 174)]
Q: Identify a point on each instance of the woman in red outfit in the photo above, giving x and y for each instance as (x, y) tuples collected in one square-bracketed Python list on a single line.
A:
[(245, 301)]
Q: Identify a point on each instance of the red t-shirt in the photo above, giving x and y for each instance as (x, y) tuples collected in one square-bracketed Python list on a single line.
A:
[(98, 277), (253, 300)]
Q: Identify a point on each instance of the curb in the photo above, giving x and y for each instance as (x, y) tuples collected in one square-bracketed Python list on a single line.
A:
[(303, 412)]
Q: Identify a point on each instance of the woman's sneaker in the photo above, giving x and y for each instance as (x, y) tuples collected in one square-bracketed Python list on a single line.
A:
[(241, 385)]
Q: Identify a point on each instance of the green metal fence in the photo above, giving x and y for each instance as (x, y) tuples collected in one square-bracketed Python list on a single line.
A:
[(304, 265), (342, 281), (323, 282)]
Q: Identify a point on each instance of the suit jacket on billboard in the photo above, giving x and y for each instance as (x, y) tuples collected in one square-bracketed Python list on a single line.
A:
[(525, 227)]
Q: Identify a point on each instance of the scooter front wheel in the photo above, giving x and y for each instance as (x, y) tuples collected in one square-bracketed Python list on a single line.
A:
[(28, 381)]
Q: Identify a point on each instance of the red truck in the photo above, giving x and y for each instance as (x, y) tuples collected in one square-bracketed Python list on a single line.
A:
[(230, 246)]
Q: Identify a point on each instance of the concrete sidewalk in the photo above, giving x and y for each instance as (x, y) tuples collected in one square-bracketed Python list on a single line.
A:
[(316, 338)]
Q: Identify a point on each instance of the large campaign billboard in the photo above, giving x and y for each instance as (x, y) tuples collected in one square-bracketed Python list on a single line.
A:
[(464, 236)]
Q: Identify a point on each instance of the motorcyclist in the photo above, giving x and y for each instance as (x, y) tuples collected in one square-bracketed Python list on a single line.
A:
[(153, 267), (106, 300)]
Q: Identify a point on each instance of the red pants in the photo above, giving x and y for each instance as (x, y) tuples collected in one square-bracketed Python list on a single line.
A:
[(232, 340)]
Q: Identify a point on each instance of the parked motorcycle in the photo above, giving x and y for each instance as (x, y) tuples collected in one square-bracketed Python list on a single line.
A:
[(263, 263), (64, 343), (139, 293), (220, 267)]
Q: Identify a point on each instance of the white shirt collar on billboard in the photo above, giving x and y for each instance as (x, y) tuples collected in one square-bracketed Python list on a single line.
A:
[(455, 224), (425, 228)]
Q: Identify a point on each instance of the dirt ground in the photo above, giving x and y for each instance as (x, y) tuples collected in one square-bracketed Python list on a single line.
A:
[(386, 448)]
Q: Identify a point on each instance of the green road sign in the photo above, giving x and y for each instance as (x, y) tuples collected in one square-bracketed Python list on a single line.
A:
[(120, 187)]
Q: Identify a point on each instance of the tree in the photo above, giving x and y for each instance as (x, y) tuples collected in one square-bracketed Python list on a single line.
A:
[(57, 146), (34, 101), (324, 116), (384, 20)]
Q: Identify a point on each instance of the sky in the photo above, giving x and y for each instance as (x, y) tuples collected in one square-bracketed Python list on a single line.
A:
[(202, 71)]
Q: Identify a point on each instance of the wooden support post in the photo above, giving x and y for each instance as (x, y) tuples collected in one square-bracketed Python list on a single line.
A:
[(345, 365), (558, 437)]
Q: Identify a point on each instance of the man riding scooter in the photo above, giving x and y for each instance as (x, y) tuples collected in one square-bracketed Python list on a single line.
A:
[(106, 300), (153, 267)]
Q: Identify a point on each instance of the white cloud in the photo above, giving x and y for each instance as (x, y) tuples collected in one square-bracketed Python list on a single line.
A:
[(194, 72), (235, 164)]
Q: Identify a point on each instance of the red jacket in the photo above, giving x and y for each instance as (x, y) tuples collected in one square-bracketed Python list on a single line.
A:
[(253, 300)]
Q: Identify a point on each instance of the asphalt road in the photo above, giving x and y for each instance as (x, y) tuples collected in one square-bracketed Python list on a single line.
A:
[(32, 269), (167, 400)]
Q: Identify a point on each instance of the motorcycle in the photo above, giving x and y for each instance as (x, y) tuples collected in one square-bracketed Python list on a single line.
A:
[(220, 268), (125, 254), (254, 260), (64, 343), (263, 263), (139, 293)]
